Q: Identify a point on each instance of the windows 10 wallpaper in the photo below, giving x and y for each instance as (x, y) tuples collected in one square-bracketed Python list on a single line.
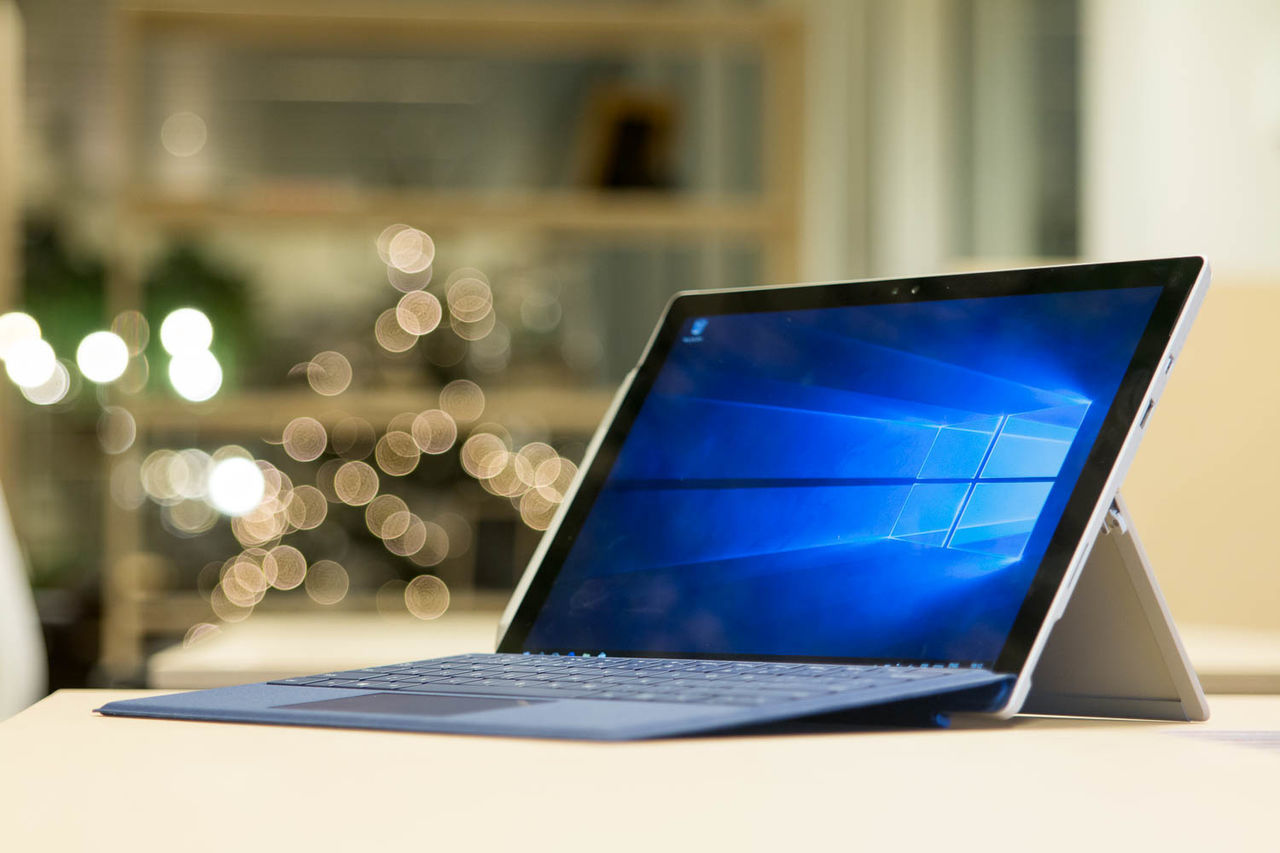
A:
[(858, 482)]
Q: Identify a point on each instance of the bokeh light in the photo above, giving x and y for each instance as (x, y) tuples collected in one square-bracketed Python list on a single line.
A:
[(435, 545), (470, 300), (356, 483), (537, 511), (418, 312), (200, 632), (133, 329), (434, 431), (513, 479), (402, 422), (305, 439), (329, 373), (186, 330), (497, 429), (52, 390), (483, 455), (327, 582), (381, 510), (278, 484), (102, 357), (154, 476), (427, 597), (188, 517), (195, 375), (226, 609), (325, 476), (390, 334), (244, 582), (396, 453), (383, 241), (30, 362), (407, 281), (566, 473), (544, 463), (184, 134), (473, 330), (307, 508), (169, 476), (410, 250), (261, 526), (189, 472), (16, 326), (290, 566), (236, 486), (269, 570), (269, 520), (412, 537), (463, 400)]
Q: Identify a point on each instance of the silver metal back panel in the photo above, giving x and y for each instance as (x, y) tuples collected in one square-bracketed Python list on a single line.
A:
[(1115, 652)]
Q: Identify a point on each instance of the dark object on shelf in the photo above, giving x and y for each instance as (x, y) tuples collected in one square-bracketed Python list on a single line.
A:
[(629, 140)]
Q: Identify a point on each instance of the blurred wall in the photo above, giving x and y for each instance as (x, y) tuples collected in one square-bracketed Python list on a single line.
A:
[(1182, 155), (937, 132), (1182, 132), (1202, 487)]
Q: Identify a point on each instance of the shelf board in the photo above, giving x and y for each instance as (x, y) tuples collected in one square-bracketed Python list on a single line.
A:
[(525, 26), (580, 212), (564, 410), (177, 611)]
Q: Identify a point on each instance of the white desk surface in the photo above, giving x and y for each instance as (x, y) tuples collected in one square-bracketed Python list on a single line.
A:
[(70, 780)]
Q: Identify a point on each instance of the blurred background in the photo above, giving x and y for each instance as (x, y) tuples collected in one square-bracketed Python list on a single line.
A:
[(311, 307)]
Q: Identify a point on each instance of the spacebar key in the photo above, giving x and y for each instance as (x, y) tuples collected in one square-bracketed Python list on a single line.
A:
[(499, 690)]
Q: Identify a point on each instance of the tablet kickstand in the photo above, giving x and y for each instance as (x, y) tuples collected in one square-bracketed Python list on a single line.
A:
[(1115, 652)]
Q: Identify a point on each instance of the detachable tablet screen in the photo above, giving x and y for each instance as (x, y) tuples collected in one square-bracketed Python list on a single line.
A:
[(876, 473)]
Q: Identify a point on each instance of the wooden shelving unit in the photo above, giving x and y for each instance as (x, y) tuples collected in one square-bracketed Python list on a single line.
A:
[(642, 214), (768, 220), (564, 410)]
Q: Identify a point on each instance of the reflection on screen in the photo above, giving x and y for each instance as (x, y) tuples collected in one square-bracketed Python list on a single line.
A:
[(863, 482)]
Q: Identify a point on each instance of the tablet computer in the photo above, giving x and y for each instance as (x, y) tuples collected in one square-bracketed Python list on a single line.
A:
[(904, 471)]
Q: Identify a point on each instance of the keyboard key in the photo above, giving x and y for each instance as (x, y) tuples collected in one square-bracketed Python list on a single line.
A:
[(306, 679)]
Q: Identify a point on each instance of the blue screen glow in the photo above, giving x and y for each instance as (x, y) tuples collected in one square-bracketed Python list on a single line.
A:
[(861, 482)]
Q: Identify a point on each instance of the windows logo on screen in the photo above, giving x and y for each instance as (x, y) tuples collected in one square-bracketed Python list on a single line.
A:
[(984, 482)]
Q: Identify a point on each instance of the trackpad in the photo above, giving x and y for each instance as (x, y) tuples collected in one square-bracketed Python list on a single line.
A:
[(411, 704)]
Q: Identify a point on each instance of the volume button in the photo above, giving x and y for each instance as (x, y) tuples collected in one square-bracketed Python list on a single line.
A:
[(1061, 609)]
